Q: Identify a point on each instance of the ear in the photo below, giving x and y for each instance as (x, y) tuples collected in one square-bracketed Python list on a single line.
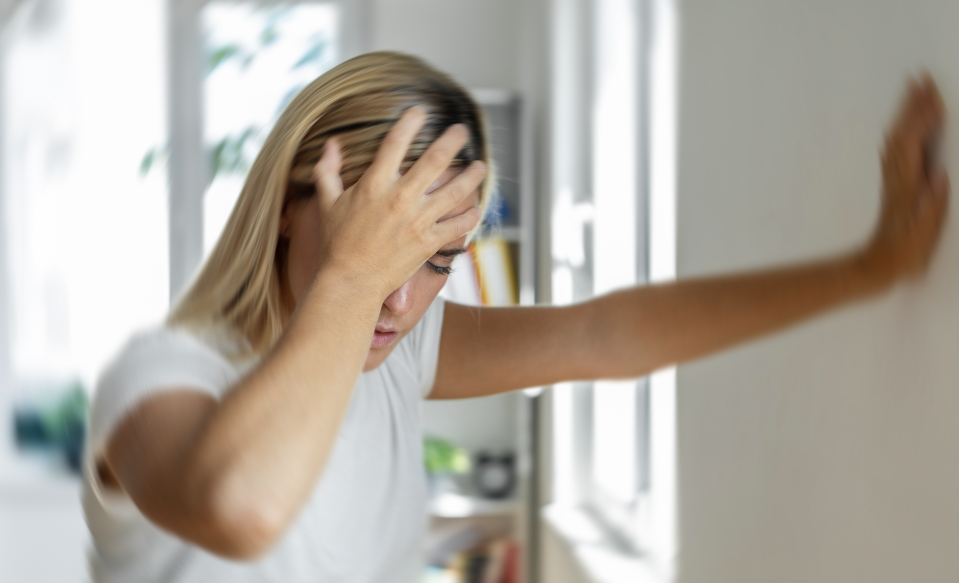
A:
[(286, 219)]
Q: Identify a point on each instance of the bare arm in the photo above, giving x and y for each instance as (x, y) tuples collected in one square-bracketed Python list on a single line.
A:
[(635, 331), (230, 476)]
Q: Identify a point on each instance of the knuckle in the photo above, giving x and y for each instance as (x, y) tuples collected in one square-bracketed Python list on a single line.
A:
[(375, 188), (398, 204), (368, 184), (421, 223), (424, 237), (395, 137), (436, 158), (455, 193), (463, 223)]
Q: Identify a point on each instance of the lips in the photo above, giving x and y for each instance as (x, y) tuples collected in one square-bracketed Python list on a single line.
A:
[(383, 337)]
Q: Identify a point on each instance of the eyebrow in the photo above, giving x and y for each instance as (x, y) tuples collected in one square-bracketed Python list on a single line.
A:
[(451, 252)]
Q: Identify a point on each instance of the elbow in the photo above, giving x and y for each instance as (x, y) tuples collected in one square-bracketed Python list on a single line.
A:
[(222, 518), (245, 527)]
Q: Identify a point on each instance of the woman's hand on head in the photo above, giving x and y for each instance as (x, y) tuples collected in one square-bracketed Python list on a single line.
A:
[(915, 192), (383, 228)]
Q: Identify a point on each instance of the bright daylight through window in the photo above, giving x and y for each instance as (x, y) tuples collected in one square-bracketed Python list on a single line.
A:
[(613, 441), (267, 54), (85, 233)]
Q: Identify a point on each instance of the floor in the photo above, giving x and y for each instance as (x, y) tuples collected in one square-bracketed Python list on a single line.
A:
[(43, 537)]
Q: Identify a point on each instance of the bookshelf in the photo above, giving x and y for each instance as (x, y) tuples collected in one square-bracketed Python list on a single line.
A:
[(448, 505), (502, 423)]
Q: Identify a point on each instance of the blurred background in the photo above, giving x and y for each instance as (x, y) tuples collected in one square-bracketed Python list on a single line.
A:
[(637, 140)]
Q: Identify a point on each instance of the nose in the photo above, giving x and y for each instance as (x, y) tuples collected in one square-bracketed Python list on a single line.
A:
[(400, 301)]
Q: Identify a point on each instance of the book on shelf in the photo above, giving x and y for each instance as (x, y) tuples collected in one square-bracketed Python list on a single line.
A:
[(462, 286), (484, 276), (497, 561), (494, 568), (494, 270)]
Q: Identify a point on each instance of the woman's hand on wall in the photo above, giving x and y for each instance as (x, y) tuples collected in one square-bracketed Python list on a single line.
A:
[(915, 193), (635, 331), (383, 228)]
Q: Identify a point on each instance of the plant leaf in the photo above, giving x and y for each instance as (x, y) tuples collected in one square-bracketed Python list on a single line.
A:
[(313, 55), (221, 55), (147, 162)]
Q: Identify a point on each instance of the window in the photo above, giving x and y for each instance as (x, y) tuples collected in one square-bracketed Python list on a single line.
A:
[(613, 226), (234, 66), (258, 59), (84, 246), (618, 230)]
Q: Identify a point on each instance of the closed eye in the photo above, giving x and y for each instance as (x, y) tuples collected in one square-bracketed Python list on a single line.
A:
[(451, 253), (439, 270)]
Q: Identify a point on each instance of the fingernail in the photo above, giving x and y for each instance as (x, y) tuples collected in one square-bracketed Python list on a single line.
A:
[(480, 166)]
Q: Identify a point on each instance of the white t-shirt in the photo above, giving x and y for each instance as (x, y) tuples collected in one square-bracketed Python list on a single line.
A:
[(366, 518)]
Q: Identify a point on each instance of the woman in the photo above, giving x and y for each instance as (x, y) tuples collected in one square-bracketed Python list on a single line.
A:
[(270, 431)]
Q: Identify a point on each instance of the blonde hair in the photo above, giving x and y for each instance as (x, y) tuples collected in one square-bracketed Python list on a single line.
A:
[(239, 285)]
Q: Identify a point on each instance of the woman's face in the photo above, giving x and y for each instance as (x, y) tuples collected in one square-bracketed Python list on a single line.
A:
[(404, 307)]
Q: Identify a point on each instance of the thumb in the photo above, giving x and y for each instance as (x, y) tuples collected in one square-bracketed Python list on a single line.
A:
[(934, 203), (326, 175), (940, 195), (940, 185)]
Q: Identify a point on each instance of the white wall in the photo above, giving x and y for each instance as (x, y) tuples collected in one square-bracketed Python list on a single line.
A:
[(476, 42), (826, 453)]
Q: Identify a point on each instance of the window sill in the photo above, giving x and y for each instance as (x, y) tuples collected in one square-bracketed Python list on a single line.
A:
[(597, 554)]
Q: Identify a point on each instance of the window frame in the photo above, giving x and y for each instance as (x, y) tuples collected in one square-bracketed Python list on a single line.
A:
[(645, 525), (187, 168)]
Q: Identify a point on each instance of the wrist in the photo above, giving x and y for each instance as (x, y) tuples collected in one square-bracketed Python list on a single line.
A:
[(335, 283), (335, 300), (871, 270)]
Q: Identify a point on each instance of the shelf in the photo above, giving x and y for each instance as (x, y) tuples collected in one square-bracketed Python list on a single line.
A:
[(512, 234), (486, 97), (449, 505)]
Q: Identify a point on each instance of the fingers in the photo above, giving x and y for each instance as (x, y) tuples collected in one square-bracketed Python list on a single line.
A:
[(938, 195), (932, 211), (933, 95), (455, 191), (436, 159), (922, 106), (326, 174), (389, 157), (911, 144), (453, 228)]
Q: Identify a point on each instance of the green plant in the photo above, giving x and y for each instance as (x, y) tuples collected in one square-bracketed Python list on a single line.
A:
[(234, 153), (442, 457)]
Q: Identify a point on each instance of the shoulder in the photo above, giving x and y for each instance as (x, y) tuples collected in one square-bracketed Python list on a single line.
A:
[(421, 347), (154, 361), (427, 331), (165, 354)]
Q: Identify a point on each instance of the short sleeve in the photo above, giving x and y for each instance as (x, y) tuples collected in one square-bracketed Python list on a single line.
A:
[(425, 345), (152, 362)]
